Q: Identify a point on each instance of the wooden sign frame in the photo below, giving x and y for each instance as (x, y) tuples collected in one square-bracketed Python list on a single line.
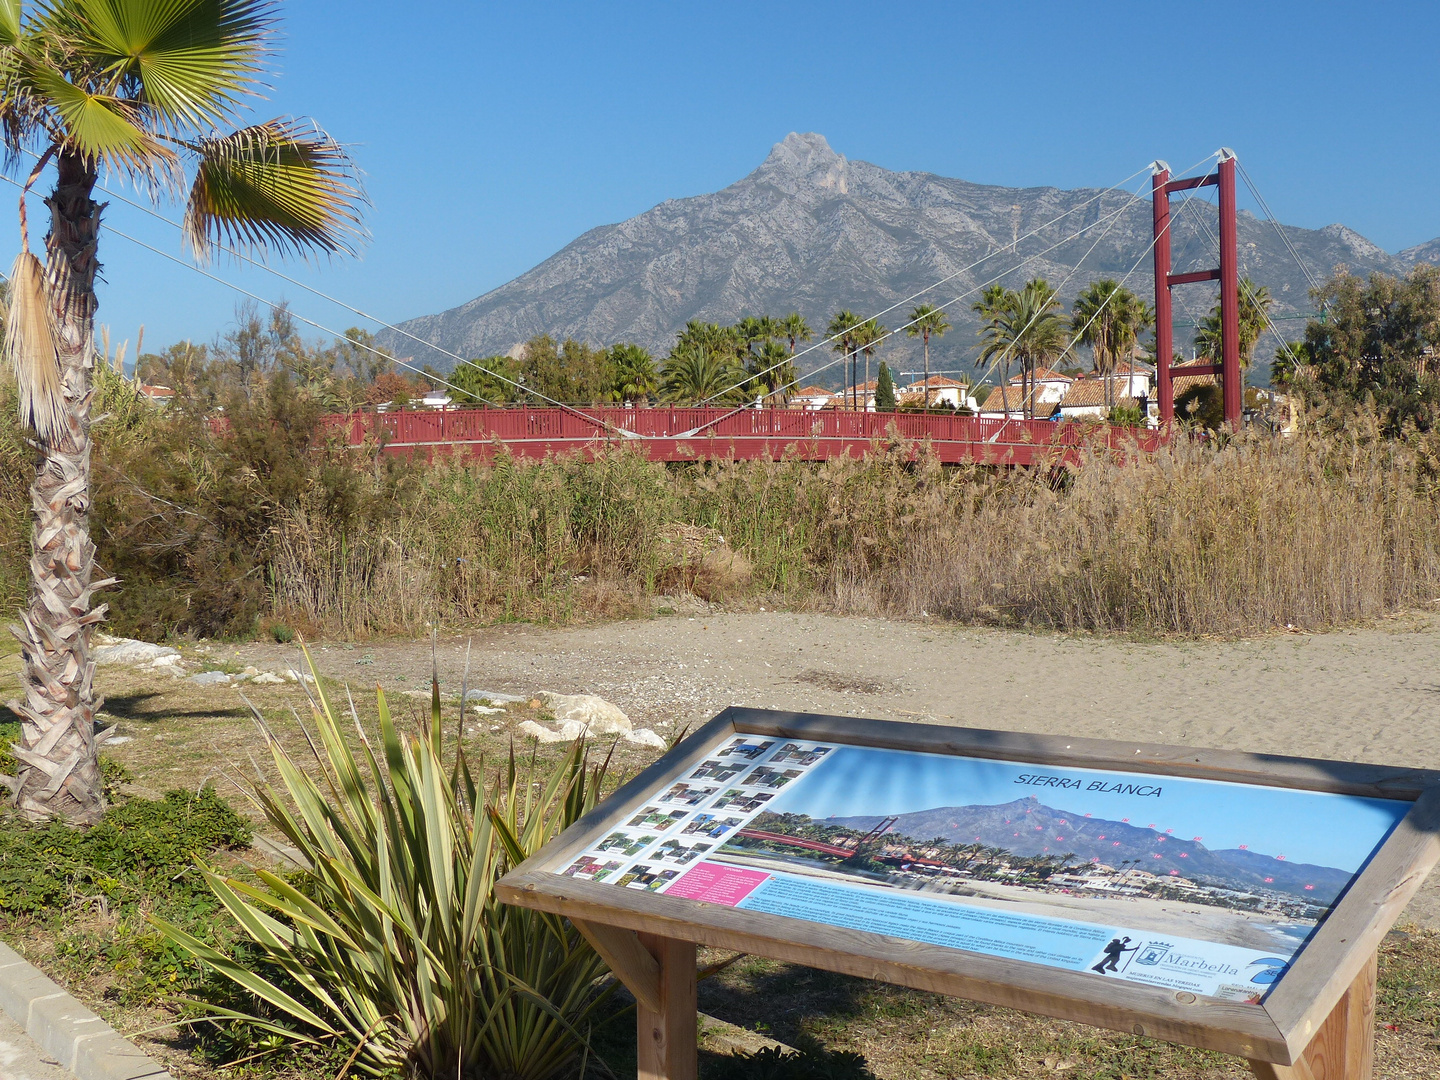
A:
[(1317, 1022)]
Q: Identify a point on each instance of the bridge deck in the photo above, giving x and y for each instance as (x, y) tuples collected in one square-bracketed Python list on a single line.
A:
[(695, 434)]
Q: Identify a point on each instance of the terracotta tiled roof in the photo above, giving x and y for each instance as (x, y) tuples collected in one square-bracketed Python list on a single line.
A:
[(1007, 399), (1090, 393), (1044, 375), (936, 382), (814, 391)]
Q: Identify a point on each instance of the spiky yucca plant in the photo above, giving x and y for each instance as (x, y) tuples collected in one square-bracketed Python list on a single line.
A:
[(137, 90), (397, 948)]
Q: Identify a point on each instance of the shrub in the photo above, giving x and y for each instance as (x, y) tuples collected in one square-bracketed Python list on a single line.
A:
[(811, 1062), (394, 947), (140, 849)]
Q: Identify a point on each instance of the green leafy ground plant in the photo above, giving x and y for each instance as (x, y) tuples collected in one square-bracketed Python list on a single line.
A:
[(393, 944)]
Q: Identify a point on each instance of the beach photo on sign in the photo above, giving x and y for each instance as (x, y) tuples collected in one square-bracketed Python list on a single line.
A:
[(1232, 864)]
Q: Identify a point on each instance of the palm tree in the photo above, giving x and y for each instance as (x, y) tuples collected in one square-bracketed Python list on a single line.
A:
[(634, 369), (135, 89), (1291, 362), (773, 370), (698, 374), (1109, 318), (794, 327), (1024, 325), (868, 336), (1254, 303), (842, 329), (927, 320)]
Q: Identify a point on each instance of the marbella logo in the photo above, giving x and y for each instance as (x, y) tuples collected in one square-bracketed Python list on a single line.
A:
[(1152, 953)]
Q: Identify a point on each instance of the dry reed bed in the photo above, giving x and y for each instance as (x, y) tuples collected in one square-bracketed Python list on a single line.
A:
[(1201, 538)]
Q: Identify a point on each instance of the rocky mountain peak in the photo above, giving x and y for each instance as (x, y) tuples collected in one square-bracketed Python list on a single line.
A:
[(804, 160), (813, 232)]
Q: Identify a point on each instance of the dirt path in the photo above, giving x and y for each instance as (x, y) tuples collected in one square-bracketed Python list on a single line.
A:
[(1369, 695)]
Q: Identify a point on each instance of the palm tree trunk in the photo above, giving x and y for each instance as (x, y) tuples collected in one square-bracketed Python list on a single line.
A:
[(59, 771), (927, 370)]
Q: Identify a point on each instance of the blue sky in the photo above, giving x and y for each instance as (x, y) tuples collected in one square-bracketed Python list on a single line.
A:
[(1304, 826), (491, 135)]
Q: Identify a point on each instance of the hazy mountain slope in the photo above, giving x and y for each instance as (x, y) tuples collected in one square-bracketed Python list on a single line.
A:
[(1029, 827), (810, 231)]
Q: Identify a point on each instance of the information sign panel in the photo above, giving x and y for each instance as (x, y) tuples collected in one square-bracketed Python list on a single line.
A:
[(1167, 890)]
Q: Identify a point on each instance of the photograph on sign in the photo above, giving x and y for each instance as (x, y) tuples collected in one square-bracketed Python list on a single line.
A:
[(1203, 886)]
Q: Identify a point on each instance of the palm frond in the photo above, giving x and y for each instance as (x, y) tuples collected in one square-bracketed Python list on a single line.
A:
[(190, 62), (9, 22), (101, 127), (30, 347), (281, 185)]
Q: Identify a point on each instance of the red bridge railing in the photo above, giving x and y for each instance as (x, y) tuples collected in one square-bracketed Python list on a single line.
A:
[(693, 434)]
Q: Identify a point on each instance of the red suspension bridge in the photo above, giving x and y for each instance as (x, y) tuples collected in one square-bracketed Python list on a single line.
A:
[(700, 434)]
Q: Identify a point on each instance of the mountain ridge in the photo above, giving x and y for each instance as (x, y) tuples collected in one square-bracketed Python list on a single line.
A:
[(813, 231), (1112, 842)]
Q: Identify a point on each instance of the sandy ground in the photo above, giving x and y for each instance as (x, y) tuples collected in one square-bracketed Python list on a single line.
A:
[(1366, 695)]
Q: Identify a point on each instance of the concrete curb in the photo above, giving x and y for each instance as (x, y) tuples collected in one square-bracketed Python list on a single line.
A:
[(70, 1033)]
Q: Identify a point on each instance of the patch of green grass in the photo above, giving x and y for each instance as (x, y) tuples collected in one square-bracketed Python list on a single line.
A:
[(140, 852)]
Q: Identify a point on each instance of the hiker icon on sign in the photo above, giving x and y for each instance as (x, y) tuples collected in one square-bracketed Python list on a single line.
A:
[(1117, 948)]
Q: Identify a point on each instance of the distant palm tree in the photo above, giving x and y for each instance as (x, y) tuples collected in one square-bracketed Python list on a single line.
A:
[(1109, 318), (794, 327), (774, 372), (842, 329), (1291, 361), (136, 90), (1254, 302), (926, 321), (692, 374), (634, 368), (1025, 326), (868, 336)]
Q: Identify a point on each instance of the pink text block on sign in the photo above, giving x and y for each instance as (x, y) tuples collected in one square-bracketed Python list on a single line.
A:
[(716, 884)]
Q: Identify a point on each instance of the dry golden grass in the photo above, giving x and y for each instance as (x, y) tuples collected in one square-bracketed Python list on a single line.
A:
[(1250, 535)]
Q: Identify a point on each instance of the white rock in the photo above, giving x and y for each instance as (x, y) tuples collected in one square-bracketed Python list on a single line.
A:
[(267, 678), (646, 737), (493, 696), (297, 676), (596, 714), (130, 651), (209, 678), (535, 731), (484, 711)]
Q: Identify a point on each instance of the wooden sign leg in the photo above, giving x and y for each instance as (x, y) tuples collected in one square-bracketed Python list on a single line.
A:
[(1344, 1047), (665, 1037)]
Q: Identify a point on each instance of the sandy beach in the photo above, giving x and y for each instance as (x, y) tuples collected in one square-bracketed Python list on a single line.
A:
[(1367, 694), (1202, 921)]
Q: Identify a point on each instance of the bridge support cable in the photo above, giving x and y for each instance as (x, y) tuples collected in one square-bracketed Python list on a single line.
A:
[(963, 270), (1107, 220), (1254, 300), (1228, 275), (235, 253), (1270, 217)]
